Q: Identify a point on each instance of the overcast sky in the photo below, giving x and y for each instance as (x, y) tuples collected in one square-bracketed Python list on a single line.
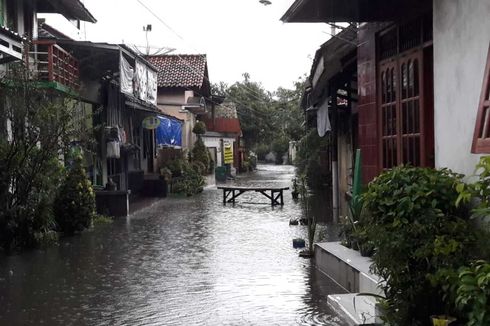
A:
[(236, 35)]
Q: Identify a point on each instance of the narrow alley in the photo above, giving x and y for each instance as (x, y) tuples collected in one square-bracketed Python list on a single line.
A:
[(181, 261)]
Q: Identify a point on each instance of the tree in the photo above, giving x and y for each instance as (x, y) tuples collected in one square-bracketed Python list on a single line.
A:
[(36, 129), (253, 104), (266, 117), (289, 116)]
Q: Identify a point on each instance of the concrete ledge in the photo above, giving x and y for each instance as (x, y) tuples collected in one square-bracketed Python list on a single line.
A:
[(362, 314), (347, 267)]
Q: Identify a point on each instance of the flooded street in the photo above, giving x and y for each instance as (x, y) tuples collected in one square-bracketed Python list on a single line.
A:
[(181, 261)]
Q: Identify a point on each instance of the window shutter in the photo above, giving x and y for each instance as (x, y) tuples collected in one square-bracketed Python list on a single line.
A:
[(481, 136)]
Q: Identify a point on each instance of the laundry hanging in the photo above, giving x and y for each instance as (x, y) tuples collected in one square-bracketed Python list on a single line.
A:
[(126, 76), (322, 119)]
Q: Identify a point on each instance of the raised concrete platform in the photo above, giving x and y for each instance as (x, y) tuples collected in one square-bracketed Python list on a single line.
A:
[(346, 267), (362, 314), (351, 271)]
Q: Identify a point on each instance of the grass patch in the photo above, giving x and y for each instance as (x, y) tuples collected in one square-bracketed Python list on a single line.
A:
[(102, 220)]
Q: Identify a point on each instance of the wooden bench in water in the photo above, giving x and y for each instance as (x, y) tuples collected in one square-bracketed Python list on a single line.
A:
[(276, 193)]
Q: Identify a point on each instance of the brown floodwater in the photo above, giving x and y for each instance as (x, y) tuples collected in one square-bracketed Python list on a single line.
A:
[(181, 261)]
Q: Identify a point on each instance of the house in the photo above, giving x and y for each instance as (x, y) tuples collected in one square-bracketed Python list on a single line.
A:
[(330, 104), (184, 90), (223, 135), (19, 22), (422, 79), (19, 33), (118, 89)]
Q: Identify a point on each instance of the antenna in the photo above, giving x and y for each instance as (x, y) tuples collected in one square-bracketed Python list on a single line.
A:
[(147, 29)]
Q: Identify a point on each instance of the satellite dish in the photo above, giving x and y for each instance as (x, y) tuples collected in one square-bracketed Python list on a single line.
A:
[(265, 2)]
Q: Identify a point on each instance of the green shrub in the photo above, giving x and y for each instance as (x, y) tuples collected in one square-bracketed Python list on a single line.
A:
[(175, 167), (308, 159), (416, 229), (199, 167), (200, 154), (191, 182), (199, 128), (473, 293), (74, 206), (102, 219), (478, 191)]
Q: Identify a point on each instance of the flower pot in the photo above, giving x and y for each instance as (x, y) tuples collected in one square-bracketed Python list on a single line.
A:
[(442, 320)]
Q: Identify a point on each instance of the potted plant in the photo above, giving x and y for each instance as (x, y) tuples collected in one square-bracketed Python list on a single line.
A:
[(295, 192), (303, 189)]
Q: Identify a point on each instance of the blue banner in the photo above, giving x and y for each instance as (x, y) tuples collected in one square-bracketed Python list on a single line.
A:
[(169, 132)]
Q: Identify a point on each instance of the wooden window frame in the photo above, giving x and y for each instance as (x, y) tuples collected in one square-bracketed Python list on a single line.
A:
[(482, 145), (399, 136)]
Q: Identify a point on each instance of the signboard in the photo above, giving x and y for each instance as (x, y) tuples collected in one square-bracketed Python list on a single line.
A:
[(228, 152), (151, 123)]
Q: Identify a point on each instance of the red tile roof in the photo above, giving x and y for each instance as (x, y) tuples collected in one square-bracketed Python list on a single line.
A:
[(180, 70)]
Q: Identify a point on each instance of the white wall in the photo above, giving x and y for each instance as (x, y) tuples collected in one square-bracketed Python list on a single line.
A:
[(217, 142), (461, 40)]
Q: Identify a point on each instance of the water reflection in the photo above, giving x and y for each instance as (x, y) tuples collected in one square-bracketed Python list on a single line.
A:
[(182, 261)]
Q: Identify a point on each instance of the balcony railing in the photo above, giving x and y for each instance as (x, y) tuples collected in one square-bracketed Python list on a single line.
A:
[(51, 63)]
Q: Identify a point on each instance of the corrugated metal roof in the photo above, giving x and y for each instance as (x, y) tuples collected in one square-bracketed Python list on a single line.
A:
[(185, 70)]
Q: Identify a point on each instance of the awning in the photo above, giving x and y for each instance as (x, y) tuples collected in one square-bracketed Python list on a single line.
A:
[(196, 105), (319, 11), (169, 132), (71, 9)]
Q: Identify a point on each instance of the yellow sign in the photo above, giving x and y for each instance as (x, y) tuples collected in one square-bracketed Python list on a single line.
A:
[(228, 153)]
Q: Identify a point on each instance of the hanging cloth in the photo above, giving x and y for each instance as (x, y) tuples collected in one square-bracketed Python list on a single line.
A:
[(322, 119), (126, 75)]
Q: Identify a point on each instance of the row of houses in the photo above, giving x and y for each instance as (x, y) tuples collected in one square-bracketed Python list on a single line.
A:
[(406, 82), (145, 106)]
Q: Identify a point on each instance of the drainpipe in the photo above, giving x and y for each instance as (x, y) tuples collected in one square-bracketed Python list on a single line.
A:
[(334, 153)]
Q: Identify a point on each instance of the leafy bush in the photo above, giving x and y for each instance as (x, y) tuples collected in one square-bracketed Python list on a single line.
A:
[(175, 167), (478, 191), (201, 154), (199, 128), (74, 206), (417, 230), (199, 167), (29, 173), (473, 293), (308, 159), (191, 182)]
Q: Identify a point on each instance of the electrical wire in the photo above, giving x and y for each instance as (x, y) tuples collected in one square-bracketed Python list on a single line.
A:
[(182, 38)]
